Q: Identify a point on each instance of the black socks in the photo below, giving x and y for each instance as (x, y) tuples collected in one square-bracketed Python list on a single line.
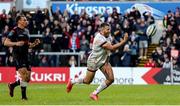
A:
[(23, 92)]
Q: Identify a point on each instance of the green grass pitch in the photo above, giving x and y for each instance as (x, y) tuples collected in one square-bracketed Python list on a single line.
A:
[(48, 94)]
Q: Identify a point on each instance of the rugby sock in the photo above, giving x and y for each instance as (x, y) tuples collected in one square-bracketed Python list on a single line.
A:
[(23, 92), (23, 89), (77, 80), (16, 83), (100, 88)]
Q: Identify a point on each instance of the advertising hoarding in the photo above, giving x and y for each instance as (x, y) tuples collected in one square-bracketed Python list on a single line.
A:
[(157, 9)]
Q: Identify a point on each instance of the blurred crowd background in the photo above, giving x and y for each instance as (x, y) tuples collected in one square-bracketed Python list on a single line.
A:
[(74, 33)]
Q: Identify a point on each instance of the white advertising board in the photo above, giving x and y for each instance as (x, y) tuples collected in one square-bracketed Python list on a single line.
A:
[(124, 76), (32, 4), (6, 6), (138, 73)]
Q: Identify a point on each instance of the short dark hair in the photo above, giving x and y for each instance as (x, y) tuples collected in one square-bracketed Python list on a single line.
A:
[(19, 17), (104, 25)]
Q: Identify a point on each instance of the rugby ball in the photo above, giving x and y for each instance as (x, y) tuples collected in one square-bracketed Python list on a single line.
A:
[(151, 30)]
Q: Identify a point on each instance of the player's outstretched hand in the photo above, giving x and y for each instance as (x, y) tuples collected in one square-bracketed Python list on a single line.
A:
[(35, 43), (19, 43)]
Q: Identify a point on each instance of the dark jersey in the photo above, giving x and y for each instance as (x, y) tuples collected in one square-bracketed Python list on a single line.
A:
[(20, 53)]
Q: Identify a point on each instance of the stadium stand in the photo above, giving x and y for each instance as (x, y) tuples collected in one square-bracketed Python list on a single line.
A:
[(61, 32)]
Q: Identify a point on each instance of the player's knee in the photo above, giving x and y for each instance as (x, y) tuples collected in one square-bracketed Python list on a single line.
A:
[(111, 80), (85, 81), (23, 83)]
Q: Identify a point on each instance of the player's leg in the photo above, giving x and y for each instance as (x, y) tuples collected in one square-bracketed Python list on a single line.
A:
[(77, 80), (108, 72), (87, 79), (12, 86), (25, 78)]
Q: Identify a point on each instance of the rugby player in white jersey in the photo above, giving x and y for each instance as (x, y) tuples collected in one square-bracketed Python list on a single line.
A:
[(99, 59)]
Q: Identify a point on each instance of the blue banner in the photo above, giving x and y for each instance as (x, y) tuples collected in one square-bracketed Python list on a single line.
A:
[(158, 10)]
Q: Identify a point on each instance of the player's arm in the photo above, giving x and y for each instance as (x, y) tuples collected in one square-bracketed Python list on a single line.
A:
[(111, 47), (9, 43), (35, 43)]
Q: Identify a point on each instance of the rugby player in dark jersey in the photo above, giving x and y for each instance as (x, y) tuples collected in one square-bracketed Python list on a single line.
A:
[(18, 39)]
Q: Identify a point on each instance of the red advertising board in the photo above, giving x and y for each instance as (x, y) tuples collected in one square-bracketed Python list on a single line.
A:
[(38, 75), (7, 74)]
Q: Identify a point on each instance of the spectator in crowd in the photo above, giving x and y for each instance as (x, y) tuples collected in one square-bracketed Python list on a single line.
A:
[(115, 57), (33, 28), (74, 42), (176, 41), (135, 13), (57, 13), (134, 54), (5, 32), (74, 19), (115, 15), (72, 61), (56, 28), (165, 21), (46, 13), (65, 38), (47, 40), (84, 43), (56, 44), (148, 18), (167, 63), (143, 39), (157, 56), (35, 58), (13, 13), (163, 38), (44, 61), (175, 62), (150, 63), (169, 31), (178, 30), (46, 24), (84, 59), (126, 58), (38, 17), (3, 18), (91, 41)]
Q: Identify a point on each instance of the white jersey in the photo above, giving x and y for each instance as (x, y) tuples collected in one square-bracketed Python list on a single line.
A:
[(99, 55)]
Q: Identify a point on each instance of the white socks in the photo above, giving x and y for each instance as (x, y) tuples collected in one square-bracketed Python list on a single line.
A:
[(77, 81), (100, 88)]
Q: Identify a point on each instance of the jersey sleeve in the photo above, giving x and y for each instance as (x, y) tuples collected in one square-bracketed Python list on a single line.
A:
[(100, 41), (11, 35)]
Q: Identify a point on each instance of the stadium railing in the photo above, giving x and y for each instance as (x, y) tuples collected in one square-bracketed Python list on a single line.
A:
[(57, 54)]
